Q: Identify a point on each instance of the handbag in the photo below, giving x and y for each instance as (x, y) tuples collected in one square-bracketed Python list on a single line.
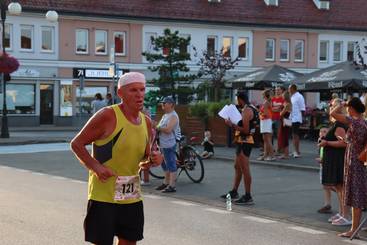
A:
[(287, 122)]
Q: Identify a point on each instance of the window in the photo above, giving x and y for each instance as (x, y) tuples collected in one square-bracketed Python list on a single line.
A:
[(338, 51), (149, 47), (324, 51), (119, 39), (66, 102), (8, 36), (227, 47), (270, 50), (350, 53), (88, 97), (26, 38), (81, 41), (20, 99), (299, 46), (242, 47), (211, 45), (101, 42), (284, 50), (47, 39), (184, 49)]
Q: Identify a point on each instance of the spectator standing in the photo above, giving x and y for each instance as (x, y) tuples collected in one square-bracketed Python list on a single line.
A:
[(98, 103), (333, 166), (283, 134), (109, 99), (266, 126), (298, 108), (277, 102), (355, 173), (168, 129), (244, 141)]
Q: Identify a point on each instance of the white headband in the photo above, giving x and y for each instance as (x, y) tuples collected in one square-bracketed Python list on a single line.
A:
[(131, 77)]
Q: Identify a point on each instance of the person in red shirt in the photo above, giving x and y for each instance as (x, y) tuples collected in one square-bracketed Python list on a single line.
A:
[(277, 102)]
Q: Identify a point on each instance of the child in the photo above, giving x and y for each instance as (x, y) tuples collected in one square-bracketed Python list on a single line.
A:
[(327, 192), (208, 145)]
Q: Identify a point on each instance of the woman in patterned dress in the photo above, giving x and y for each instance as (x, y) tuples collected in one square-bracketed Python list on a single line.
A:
[(355, 173)]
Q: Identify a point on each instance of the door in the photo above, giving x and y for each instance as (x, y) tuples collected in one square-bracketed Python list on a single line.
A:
[(47, 104)]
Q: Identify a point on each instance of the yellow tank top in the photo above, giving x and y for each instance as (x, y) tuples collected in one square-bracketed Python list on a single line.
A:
[(121, 151)]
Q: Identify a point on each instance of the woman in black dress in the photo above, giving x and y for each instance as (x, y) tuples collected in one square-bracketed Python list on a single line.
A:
[(333, 164)]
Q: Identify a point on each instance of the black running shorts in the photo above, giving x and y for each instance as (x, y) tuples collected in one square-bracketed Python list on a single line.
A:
[(106, 220), (245, 148)]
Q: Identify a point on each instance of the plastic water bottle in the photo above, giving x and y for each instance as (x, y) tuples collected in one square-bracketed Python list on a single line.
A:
[(228, 202)]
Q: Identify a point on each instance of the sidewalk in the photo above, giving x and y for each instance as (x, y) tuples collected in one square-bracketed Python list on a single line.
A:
[(305, 162)]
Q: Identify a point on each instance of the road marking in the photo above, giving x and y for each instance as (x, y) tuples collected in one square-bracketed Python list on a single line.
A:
[(357, 242), (22, 170), (152, 196), (58, 177), (78, 181), (218, 211), (183, 203), (307, 230), (260, 220), (36, 148), (38, 173)]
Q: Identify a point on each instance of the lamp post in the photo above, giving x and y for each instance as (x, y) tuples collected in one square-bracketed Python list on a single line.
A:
[(14, 9)]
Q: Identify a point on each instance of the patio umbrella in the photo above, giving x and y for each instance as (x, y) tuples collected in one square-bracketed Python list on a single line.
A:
[(345, 77), (268, 77)]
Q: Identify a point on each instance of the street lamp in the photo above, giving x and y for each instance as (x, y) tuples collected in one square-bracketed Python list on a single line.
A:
[(14, 9)]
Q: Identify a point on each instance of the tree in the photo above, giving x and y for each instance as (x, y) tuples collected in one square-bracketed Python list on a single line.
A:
[(214, 66), (170, 54)]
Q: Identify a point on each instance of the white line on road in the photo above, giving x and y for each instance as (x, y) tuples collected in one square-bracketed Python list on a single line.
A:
[(307, 230), (183, 203), (260, 220), (152, 196), (78, 181), (37, 173), (58, 177), (22, 170), (218, 211)]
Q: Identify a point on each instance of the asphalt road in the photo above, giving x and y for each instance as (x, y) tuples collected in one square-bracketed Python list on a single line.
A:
[(44, 195)]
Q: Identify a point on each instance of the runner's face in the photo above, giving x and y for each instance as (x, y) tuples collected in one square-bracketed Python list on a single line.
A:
[(133, 95), (278, 92)]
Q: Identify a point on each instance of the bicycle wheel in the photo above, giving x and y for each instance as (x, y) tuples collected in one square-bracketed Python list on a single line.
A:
[(193, 165), (157, 172)]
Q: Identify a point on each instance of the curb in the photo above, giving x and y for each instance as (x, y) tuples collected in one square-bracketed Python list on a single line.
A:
[(274, 164), (28, 142)]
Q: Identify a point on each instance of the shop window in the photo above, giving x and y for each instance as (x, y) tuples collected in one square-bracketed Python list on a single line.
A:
[(149, 47), (20, 99), (87, 97), (81, 39), (101, 42), (119, 39), (26, 38), (66, 103), (184, 49), (47, 39)]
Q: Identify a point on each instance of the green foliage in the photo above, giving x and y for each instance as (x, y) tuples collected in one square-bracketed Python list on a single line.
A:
[(215, 107), (204, 110), (170, 54)]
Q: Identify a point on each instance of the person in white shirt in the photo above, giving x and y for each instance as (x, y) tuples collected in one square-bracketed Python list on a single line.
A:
[(298, 107)]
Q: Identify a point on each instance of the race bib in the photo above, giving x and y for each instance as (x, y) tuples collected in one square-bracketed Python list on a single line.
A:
[(127, 187)]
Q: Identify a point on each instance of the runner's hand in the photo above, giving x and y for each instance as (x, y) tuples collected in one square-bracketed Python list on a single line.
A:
[(103, 173), (156, 158)]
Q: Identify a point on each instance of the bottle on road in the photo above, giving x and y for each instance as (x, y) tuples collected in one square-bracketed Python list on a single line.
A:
[(228, 202)]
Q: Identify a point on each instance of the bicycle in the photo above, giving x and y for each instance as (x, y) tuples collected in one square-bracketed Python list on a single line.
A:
[(187, 159)]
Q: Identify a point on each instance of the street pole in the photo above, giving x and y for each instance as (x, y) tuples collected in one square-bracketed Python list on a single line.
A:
[(113, 64), (4, 119), (81, 87)]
